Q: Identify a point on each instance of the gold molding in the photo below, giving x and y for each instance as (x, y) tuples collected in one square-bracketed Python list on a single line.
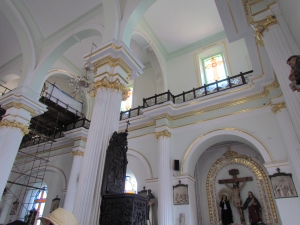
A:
[(6, 123), (247, 8), (231, 157), (20, 106), (115, 85), (141, 126), (277, 107), (162, 116), (164, 133), (111, 75), (113, 63), (81, 138), (77, 153)]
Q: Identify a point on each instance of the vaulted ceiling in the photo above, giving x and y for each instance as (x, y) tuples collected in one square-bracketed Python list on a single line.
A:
[(175, 24)]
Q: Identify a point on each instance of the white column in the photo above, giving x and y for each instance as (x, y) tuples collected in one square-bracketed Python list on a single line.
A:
[(13, 127), (290, 139), (113, 64), (278, 48), (165, 184)]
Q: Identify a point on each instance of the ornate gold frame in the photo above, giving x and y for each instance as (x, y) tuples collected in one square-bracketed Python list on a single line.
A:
[(231, 157)]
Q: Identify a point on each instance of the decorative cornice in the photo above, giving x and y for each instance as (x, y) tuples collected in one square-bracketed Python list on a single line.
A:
[(141, 126), (113, 63), (115, 85), (77, 153), (164, 133), (277, 107), (6, 123), (164, 115), (20, 106), (80, 139)]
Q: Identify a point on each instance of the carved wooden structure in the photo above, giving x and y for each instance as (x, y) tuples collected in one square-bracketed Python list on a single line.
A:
[(117, 207)]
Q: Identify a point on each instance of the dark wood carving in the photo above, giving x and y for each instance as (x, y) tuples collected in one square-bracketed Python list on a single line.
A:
[(115, 165), (123, 209), (118, 208)]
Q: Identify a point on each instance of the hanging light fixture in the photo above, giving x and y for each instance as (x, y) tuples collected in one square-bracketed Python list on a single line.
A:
[(82, 83)]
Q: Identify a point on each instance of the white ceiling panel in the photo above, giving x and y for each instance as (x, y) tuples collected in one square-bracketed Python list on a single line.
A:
[(52, 15), (9, 43), (178, 23)]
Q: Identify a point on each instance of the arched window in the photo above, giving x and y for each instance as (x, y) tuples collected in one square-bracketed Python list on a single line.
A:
[(39, 202), (130, 184)]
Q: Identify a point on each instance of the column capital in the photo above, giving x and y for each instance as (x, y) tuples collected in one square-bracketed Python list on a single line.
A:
[(23, 128), (164, 133), (277, 107), (77, 153)]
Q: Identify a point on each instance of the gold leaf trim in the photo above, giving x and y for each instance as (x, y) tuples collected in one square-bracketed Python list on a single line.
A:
[(115, 85), (277, 107), (164, 133), (113, 63), (6, 123), (20, 106), (77, 153)]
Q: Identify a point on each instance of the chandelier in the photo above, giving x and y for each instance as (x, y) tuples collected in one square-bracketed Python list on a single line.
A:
[(82, 83)]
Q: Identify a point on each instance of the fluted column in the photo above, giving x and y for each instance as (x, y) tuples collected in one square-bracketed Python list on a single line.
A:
[(113, 63), (13, 127), (290, 138), (164, 178), (79, 137), (275, 40)]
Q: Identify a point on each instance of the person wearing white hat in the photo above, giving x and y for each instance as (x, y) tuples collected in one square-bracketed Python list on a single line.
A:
[(59, 216)]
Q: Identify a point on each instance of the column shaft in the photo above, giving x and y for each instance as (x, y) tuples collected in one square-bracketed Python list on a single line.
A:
[(164, 182), (104, 121), (290, 138), (10, 139)]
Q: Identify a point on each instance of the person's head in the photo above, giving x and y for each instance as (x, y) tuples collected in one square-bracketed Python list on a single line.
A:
[(224, 197), (250, 194), (59, 217), (235, 184), (291, 61)]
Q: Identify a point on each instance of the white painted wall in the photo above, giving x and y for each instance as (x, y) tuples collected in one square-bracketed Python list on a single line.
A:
[(143, 87)]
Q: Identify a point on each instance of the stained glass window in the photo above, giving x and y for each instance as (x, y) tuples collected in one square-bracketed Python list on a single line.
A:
[(130, 185), (214, 69), (39, 202), (126, 105)]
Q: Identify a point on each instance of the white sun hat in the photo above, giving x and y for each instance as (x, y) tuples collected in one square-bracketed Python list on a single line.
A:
[(59, 216)]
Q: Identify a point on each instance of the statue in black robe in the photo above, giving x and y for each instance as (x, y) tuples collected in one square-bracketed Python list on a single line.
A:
[(226, 212)]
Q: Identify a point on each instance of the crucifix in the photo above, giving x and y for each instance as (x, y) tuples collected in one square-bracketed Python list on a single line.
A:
[(237, 201), (126, 130)]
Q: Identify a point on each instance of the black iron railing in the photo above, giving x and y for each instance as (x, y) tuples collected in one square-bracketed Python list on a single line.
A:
[(33, 139), (218, 86), (4, 90)]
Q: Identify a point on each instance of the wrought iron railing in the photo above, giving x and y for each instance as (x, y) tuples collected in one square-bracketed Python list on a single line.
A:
[(212, 88), (34, 139), (4, 90)]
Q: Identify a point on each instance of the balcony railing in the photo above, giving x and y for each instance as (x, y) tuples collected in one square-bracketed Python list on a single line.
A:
[(212, 88), (34, 139)]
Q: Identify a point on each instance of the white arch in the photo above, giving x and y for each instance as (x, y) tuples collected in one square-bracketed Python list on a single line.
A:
[(203, 142), (24, 37), (144, 161), (155, 50), (66, 42), (57, 170)]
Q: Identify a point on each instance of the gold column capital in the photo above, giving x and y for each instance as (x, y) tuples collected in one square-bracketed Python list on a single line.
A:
[(164, 133), (261, 26), (77, 153), (114, 85), (6, 123), (19, 105), (277, 107)]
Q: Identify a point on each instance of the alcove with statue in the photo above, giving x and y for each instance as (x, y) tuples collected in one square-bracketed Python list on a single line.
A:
[(234, 169)]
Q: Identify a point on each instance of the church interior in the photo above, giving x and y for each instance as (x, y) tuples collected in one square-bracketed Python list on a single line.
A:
[(202, 88)]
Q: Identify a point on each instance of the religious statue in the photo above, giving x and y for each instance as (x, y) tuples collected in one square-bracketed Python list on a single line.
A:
[(182, 219), (237, 201), (294, 76), (226, 213), (254, 208), (151, 203)]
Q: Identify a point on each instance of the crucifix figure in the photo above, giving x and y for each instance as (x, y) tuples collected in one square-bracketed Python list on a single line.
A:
[(237, 201), (126, 130)]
